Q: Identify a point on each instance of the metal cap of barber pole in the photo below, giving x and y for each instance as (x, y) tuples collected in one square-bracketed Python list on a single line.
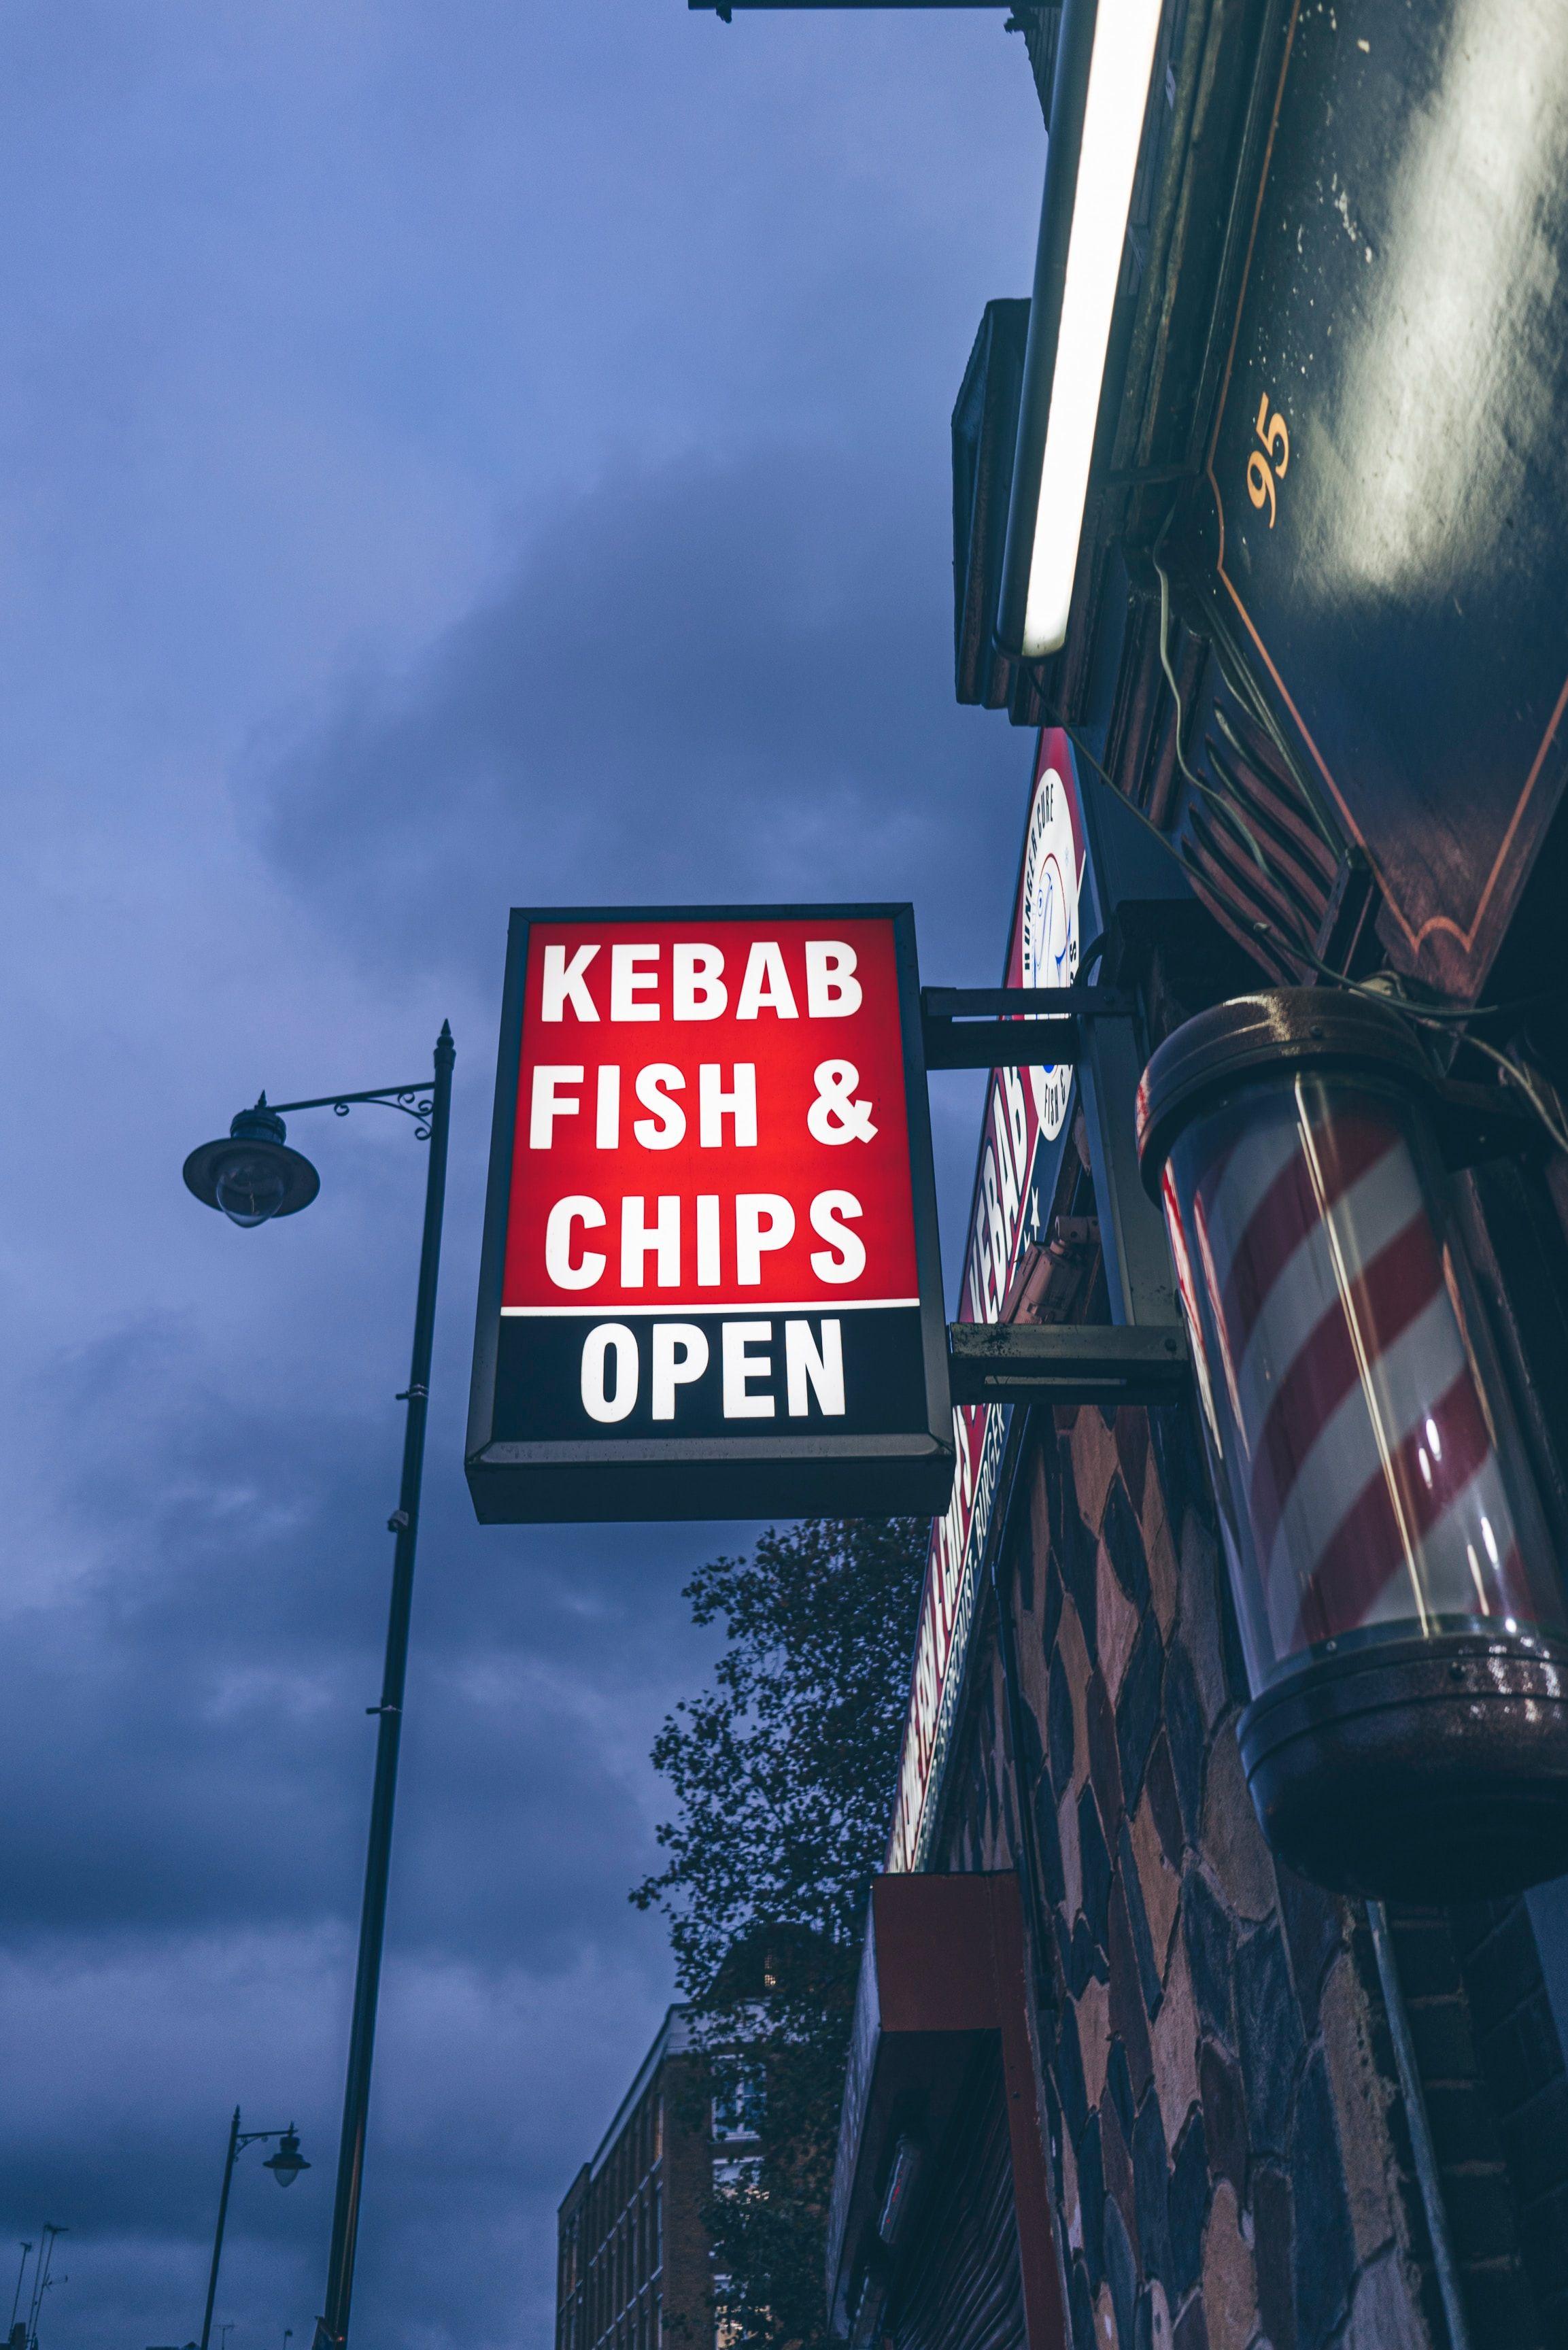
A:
[(1287, 1028), (1401, 1611)]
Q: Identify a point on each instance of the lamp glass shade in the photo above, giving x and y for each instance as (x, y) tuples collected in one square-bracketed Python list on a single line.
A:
[(251, 1182), (252, 1174), (287, 2163)]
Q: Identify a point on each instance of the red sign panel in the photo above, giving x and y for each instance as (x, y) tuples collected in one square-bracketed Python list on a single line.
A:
[(710, 1254)]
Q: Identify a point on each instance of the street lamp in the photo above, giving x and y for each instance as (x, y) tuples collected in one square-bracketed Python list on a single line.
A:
[(287, 2163), (253, 1176), (285, 2167)]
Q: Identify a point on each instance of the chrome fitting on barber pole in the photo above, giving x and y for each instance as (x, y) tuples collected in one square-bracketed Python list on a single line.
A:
[(1401, 1612)]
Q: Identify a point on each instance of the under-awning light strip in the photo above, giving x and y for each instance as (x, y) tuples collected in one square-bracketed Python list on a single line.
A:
[(1119, 68)]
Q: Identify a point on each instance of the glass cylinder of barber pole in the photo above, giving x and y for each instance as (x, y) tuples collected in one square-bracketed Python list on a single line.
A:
[(1400, 1609)]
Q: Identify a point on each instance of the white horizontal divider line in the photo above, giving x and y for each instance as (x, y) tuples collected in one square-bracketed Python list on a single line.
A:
[(666, 1305)]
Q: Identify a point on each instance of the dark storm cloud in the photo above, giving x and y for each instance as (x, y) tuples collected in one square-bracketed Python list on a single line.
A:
[(188, 1768), (703, 681), (188, 1738)]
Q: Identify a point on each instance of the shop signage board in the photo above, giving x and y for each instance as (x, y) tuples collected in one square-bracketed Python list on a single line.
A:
[(1387, 469), (1027, 1119), (711, 1284)]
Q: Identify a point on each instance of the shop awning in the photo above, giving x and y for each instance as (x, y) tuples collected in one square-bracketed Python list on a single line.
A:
[(944, 1962)]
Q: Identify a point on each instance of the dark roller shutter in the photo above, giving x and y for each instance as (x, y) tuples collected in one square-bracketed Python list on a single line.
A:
[(962, 2290)]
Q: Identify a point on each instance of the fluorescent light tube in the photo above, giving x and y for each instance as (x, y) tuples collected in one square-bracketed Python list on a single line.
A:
[(1121, 61)]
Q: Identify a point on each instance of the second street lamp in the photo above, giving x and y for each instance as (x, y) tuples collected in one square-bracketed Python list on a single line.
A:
[(286, 2166), (253, 1176)]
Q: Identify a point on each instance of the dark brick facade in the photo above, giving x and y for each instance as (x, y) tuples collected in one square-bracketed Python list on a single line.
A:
[(1497, 2100), (1235, 2158), (1231, 2161)]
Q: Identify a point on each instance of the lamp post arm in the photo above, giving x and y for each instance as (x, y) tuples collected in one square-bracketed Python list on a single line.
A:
[(333, 2325), (396, 1096), (218, 2237)]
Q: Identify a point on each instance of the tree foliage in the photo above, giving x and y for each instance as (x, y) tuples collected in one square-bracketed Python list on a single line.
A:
[(783, 1774)]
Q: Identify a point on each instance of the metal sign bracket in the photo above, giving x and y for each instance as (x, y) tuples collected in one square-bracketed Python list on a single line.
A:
[(1066, 1363), (964, 1027)]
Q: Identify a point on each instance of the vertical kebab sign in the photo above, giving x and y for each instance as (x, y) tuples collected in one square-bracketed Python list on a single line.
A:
[(1022, 1144), (711, 1283)]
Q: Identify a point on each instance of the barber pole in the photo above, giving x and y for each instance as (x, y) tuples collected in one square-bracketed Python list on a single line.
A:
[(1401, 1613), (1372, 1482)]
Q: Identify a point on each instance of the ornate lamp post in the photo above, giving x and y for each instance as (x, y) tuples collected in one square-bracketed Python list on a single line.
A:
[(286, 2166), (253, 1176)]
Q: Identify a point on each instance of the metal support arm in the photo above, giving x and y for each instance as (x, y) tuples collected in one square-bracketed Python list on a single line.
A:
[(1042, 1030), (1066, 1363)]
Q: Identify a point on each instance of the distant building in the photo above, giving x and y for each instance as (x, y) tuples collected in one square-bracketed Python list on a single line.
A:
[(634, 2265)]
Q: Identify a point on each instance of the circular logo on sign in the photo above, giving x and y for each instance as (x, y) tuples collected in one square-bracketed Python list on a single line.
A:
[(1050, 925)]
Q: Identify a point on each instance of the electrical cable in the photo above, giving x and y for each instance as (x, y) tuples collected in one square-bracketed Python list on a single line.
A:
[(1219, 801), (1430, 1014), (1191, 873), (1245, 689), (1425, 1016), (1515, 1072), (1261, 716), (1440, 1016), (1434, 1015)]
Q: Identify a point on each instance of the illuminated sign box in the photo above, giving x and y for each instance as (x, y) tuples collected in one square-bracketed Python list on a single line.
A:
[(711, 1284)]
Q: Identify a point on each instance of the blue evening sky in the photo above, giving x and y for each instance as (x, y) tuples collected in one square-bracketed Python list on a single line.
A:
[(450, 456)]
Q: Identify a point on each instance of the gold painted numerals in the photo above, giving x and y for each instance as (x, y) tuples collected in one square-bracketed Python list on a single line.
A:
[(1274, 436)]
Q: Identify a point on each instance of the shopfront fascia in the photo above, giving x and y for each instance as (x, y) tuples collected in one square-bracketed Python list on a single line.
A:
[(1011, 1217), (1041, 1237), (942, 2107)]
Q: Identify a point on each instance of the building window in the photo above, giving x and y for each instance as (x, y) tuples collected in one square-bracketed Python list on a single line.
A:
[(725, 2329), (736, 2174), (737, 2096)]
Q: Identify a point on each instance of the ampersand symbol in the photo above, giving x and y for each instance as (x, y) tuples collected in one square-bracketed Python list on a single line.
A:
[(834, 1116)]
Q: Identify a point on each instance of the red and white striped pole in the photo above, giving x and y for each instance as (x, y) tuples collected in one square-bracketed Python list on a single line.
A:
[(1402, 1616)]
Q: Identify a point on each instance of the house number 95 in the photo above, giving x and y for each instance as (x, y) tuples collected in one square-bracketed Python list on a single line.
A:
[(1261, 473)]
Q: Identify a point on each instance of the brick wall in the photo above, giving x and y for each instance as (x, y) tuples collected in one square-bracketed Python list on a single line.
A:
[(1497, 2099), (1231, 2163), (688, 2186), (1520, 2056), (634, 2265)]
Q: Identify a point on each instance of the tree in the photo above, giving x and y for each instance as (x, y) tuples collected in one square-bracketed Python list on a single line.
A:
[(783, 1773)]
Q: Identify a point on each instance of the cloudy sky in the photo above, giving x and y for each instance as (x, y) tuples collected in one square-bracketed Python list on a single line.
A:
[(450, 456)]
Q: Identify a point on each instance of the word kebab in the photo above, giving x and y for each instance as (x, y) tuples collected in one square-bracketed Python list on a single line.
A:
[(712, 1281)]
